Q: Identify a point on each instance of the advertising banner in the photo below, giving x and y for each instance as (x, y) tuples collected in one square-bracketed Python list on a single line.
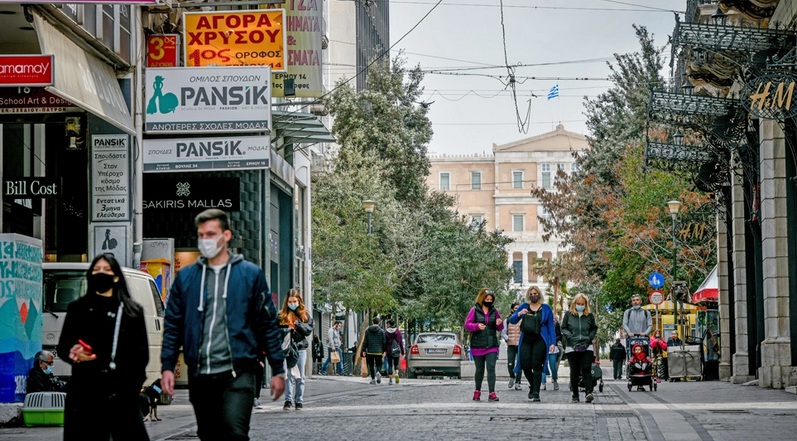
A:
[(33, 100), (206, 154), (304, 29), (163, 50), (26, 70), (218, 99), (32, 188), (249, 38), (110, 177), (180, 192)]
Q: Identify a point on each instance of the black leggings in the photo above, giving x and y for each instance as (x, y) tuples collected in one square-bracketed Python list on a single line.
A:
[(480, 362), (533, 354), (580, 367), (374, 363), (392, 364), (511, 359)]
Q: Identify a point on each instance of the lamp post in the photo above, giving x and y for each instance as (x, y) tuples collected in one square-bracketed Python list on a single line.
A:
[(368, 206), (674, 207)]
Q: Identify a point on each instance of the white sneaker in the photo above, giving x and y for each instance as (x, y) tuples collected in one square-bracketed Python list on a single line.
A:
[(257, 404), (378, 377), (511, 383), (390, 380)]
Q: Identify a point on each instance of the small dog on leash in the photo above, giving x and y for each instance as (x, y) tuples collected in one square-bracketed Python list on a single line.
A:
[(148, 400)]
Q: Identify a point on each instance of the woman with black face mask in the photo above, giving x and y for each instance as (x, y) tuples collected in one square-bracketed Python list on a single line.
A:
[(104, 338), (483, 322)]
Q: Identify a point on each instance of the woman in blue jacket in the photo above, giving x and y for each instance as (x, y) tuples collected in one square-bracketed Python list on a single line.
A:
[(537, 338)]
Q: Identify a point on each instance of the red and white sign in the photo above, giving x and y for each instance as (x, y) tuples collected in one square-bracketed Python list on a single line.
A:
[(162, 50), (708, 290), (656, 297), (26, 70)]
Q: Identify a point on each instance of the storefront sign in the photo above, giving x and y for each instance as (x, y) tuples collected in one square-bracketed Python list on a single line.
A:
[(162, 50), (111, 237), (26, 70), (31, 188), (172, 192), (303, 24), (110, 177), (215, 99), (249, 38), (771, 95), (20, 100), (204, 154)]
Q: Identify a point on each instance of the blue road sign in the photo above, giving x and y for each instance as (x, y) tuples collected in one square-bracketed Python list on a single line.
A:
[(656, 280)]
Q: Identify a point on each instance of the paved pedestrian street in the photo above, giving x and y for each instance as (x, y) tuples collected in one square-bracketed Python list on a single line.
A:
[(348, 408)]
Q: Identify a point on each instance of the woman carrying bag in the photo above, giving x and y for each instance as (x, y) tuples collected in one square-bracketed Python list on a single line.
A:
[(537, 339), (297, 326)]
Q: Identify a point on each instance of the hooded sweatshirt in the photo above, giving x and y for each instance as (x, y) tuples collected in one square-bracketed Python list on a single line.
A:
[(375, 342), (215, 355), (391, 335)]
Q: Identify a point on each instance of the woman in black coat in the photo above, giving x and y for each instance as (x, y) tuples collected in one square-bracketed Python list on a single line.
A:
[(104, 338)]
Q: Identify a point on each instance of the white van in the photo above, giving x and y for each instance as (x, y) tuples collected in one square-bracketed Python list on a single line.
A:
[(65, 282)]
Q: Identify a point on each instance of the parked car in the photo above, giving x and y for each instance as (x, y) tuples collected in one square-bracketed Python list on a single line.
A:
[(435, 353)]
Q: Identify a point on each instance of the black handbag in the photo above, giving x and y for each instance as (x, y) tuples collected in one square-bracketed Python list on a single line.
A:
[(531, 323)]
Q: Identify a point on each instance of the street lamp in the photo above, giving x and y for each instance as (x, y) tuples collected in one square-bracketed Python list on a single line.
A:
[(675, 207), (368, 206)]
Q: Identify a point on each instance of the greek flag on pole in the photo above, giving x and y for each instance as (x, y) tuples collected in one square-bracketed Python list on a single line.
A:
[(554, 92)]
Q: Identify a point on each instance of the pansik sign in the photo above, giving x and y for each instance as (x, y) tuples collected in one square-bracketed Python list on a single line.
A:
[(205, 154), (304, 30), (771, 95), (110, 177), (178, 192), (218, 99), (26, 70), (250, 38)]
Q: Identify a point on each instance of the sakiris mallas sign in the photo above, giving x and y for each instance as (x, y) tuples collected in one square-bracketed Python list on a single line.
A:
[(200, 99), (179, 192), (204, 154)]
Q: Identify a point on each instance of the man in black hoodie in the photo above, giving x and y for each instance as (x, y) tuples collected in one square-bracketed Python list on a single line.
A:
[(373, 349)]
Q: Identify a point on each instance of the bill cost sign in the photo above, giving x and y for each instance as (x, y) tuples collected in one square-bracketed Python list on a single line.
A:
[(249, 38)]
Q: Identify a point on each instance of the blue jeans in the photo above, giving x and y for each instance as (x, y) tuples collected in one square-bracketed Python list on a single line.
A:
[(553, 365), (296, 383), (325, 366), (222, 405)]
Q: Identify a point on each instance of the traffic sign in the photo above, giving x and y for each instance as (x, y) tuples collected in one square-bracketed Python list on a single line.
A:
[(656, 280), (656, 297)]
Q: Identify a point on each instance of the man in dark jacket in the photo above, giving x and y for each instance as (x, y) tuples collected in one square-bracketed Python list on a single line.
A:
[(373, 348), (617, 354), (40, 377), (220, 312)]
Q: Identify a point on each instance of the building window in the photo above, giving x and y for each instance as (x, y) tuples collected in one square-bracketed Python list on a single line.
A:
[(546, 175), (517, 179), (517, 271), (445, 181), (573, 168), (475, 180), (476, 220), (532, 258), (517, 222)]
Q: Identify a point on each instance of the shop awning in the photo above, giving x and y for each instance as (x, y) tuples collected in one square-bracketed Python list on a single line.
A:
[(708, 290), (299, 128), (82, 78), (668, 306)]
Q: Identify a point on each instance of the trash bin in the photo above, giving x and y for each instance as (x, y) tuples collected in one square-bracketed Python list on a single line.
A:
[(44, 409), (348, 358)]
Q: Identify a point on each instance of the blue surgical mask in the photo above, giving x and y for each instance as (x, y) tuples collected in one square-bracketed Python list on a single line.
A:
[(48, 370), (581, 308), (293, 306)]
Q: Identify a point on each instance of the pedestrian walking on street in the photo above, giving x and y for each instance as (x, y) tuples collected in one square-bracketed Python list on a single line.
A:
[(637, 321), (578, 331), (374, 347), (537, 338), (318, 354), (483, 322), (221, 314), (104, 338), (618, 355), (511, 335), (554, 358), (296, 323), (333, 345), (395, 349)]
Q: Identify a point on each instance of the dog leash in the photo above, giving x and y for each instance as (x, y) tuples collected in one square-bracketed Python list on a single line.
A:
[(112, 364)]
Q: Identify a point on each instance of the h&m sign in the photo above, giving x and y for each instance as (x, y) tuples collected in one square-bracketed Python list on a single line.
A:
[(31, 188), (771, 95)]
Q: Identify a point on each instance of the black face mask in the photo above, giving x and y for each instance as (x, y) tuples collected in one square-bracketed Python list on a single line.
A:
[(535, 299), (488, 304), (101, 282)]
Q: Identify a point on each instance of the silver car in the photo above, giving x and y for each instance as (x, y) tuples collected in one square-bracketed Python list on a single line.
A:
[(435, 353)]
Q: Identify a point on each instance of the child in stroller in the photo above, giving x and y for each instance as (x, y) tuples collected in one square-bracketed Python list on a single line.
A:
[(640, 366)]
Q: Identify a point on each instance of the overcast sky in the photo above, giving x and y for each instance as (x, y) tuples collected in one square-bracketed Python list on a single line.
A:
[(472, 107)]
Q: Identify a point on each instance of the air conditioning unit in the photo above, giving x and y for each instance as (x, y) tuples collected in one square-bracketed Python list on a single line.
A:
[(318, 109)]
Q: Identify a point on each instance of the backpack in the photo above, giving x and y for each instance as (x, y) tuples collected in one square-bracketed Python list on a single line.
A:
[(395, 349)]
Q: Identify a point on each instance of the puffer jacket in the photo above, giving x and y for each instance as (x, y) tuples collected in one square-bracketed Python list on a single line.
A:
[(578, 329), (374, 341)]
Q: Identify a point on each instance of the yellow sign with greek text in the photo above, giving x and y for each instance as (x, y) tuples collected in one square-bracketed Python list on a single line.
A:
[(241, 38)]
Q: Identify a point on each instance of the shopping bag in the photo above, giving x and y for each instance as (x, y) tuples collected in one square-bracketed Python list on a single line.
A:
[(334, 357)]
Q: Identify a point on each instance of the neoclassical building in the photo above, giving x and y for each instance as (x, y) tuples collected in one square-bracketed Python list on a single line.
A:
[(496, 188)]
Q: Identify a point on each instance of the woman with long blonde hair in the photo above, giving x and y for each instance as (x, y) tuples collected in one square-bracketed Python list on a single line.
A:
[(296, 322), (578, 331)]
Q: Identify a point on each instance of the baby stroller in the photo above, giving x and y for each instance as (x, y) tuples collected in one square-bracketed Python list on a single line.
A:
[(597, 377), (640, 371)]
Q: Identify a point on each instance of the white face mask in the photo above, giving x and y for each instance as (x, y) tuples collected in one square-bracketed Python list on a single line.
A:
[(209, 248)]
